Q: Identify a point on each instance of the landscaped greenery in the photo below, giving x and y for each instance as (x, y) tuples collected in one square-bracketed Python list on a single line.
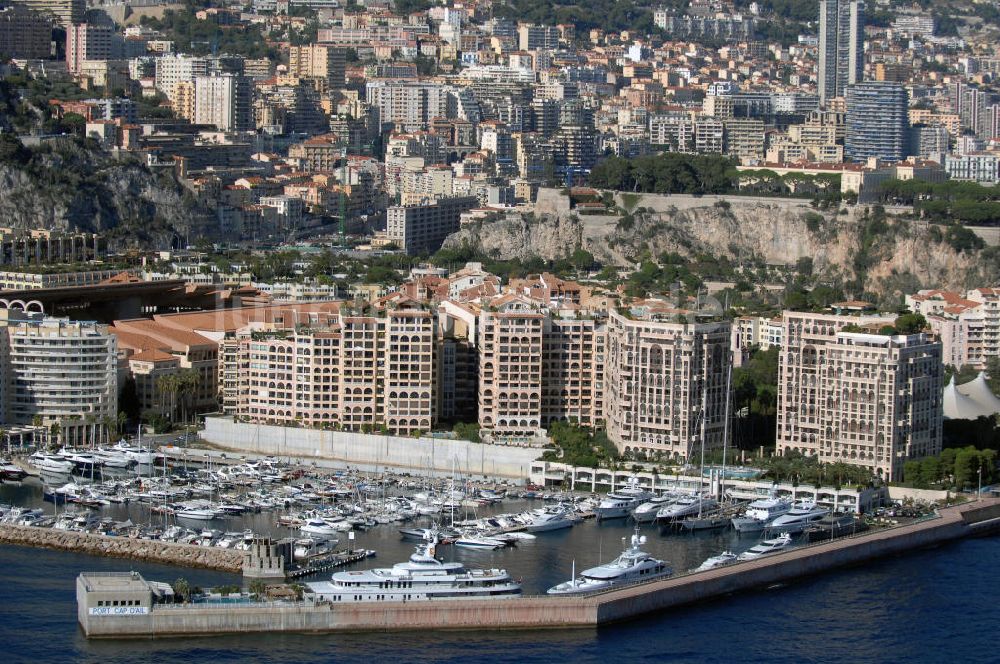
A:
[(579, 446), (755, 399), (957, 469), (807, 470), (681, 173), (951, 200)]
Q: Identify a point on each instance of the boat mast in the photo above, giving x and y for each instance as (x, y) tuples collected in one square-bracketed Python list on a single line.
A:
[(725, 427), (701, 472)]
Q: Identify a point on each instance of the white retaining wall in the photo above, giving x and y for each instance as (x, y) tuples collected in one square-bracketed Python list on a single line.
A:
[(373, 451)]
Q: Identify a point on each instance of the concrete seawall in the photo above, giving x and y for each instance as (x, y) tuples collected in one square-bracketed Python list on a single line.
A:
[(371, 451), (168, 553), (546, 612)]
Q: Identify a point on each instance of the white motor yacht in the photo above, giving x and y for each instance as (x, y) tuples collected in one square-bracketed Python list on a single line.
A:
[(114, 459), (548, 519), (309, 548), (51, 463), (798, 518), (139, 455), (632, 566), (767, 547), (318, 527), (760, 513), (197, 514), (474, 541), (646, 512), (686, 506), (721, 560), (423, 577), (620, 503)]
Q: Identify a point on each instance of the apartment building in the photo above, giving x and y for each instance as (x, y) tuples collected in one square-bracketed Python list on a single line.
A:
[(172, 69), (661, 377), (25, 34), (223, 101), (61, 372), (573, 367), (344, 370), (88, 42), (967, 324), (754, 332), (855, 397), (65, 12), (511, 331), (411, 106), (537, 37), (423, 228), (318, 61)]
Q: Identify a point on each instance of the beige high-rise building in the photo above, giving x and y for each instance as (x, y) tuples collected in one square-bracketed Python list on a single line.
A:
[(573, 368), (511, 332), (861, 398), (659, 375), (409, 370), (182, 99), (342, 371), (318, 61)]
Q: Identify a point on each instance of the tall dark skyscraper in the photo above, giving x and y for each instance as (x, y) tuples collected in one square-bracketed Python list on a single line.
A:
[(877, 121), (841, 46)]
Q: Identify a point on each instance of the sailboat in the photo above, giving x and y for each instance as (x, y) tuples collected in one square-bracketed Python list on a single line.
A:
[(713, 520)]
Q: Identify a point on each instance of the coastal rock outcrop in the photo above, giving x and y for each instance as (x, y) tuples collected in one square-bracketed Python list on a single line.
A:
[(894, 255)]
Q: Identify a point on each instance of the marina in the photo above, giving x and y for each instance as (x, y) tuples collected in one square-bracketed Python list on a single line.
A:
[(138, 612), (519, 542)]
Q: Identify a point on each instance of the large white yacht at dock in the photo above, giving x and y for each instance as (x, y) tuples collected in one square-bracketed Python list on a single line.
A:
[(422, 577), (801, 516), (646, 512), (632, 566), (760, 513), (619, 504)]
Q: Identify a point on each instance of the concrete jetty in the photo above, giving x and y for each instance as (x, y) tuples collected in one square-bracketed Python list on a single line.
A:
[(116, 606), (153, 551)]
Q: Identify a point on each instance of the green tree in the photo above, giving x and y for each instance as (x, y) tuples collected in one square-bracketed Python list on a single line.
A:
[(182, 589), (910, 323), (993, 374), (257, 588), (966, 466)]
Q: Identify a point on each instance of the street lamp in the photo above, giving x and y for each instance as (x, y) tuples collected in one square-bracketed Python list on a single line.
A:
[(979, 488)]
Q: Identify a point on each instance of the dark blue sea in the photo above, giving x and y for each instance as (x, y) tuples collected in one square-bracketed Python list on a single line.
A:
[(930, 606)]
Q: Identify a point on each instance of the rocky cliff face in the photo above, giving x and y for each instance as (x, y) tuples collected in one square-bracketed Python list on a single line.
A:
[(898, 255), (67, 186), (519, 236)]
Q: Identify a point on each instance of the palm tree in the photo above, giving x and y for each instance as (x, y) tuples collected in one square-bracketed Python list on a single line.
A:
[(168, 386), (121, 422), (190, 380)]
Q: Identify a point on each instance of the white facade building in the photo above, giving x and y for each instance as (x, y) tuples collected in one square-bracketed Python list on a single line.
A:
[(63, 372)]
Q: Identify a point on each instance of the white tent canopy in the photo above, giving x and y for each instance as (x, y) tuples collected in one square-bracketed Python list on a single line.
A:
[(970, 400)]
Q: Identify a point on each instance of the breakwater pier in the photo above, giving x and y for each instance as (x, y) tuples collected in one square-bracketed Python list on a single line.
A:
[(154, 551), (126, 605)]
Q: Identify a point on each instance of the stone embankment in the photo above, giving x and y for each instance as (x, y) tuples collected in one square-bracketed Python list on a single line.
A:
[(151, 551)]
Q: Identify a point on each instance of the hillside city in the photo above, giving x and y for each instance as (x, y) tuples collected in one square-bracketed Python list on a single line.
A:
[(615, 234)]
